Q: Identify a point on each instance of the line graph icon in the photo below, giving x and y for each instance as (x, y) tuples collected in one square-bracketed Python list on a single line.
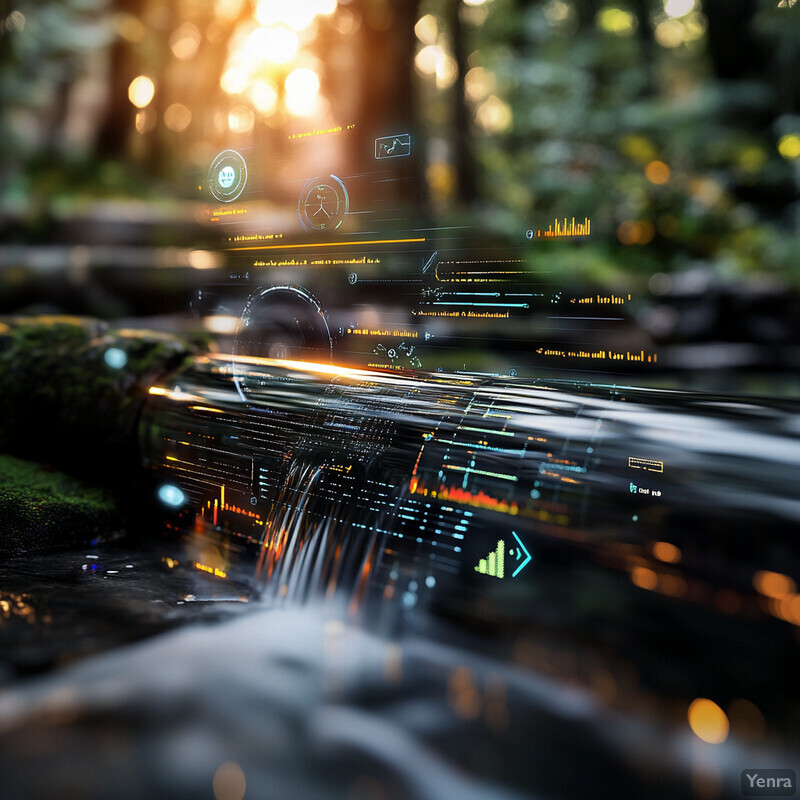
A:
[(396, 146)]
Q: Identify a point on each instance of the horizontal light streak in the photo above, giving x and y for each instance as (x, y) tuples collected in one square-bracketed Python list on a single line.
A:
[(325, 244), (173, 395), (485, 430), (482, 472), (492, 305), (473, 446)]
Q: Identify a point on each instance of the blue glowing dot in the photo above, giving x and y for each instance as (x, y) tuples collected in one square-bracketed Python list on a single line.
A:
[(115, 358), (430, 581), (171, 495), (409, 600), (635, 517)]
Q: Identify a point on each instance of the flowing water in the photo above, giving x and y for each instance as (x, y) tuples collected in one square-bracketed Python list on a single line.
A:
[(350, 602), (307, 701)]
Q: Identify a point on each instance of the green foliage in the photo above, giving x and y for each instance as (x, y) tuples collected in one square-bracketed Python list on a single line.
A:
[(598, 92)]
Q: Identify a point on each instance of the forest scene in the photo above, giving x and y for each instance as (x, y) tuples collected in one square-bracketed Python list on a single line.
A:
[(673, 124)]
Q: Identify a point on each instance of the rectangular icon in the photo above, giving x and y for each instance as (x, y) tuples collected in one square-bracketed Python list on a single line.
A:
[(393, 146), (646, 463)]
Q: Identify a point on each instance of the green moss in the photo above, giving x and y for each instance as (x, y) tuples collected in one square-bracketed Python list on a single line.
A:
[(44, 509), (71, 392)]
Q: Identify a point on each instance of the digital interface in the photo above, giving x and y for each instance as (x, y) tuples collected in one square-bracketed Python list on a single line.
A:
[(420, 378), (452, 484), (368, 278)]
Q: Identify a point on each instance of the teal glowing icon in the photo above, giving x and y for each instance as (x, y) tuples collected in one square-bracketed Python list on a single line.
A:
[(171, 495), (521, 554), (226, 177), (115, 357), (396, 146), (323, 204)]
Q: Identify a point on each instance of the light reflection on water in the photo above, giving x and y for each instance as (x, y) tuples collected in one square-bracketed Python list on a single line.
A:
[(370, 662), (310, 700), (310, 705)]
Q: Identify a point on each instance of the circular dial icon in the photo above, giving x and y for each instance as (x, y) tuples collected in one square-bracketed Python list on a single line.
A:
[(280, 322), (227, 176), (323, 203)]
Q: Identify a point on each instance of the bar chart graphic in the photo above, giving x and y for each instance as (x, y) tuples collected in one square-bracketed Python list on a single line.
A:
[(494, 564), (562, 230)]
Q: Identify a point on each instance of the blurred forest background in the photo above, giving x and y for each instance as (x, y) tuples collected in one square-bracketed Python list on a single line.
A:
[(673, 124)]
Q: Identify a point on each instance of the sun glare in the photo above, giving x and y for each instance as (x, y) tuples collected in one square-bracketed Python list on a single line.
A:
[(271, 50), (302, 87), (141, 91), (298, 14)]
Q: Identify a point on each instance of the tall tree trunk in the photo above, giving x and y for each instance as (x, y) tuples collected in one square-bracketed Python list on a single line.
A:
[(464, 161), (385, 74), (117, 123)]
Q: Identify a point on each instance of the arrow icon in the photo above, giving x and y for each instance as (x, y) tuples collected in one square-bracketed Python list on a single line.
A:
[(520, 550)]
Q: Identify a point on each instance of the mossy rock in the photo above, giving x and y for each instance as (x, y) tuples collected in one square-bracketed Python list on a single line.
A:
[(41, 509)]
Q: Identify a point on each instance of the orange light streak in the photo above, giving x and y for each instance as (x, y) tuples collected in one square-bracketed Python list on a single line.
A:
[(326, 244)]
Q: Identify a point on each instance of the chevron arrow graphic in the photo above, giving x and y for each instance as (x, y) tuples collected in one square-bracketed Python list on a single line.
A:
[(520, 552)]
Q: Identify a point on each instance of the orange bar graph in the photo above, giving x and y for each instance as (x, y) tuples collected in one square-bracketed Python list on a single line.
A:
[(566, 228), (220, 505)]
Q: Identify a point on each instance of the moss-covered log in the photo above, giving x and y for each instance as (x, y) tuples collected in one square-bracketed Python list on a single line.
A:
[(71, 392), (71, 389)]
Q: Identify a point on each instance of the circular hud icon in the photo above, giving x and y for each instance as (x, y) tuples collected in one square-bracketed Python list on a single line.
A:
[(279, 322), (227, 176), (323, 203)]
